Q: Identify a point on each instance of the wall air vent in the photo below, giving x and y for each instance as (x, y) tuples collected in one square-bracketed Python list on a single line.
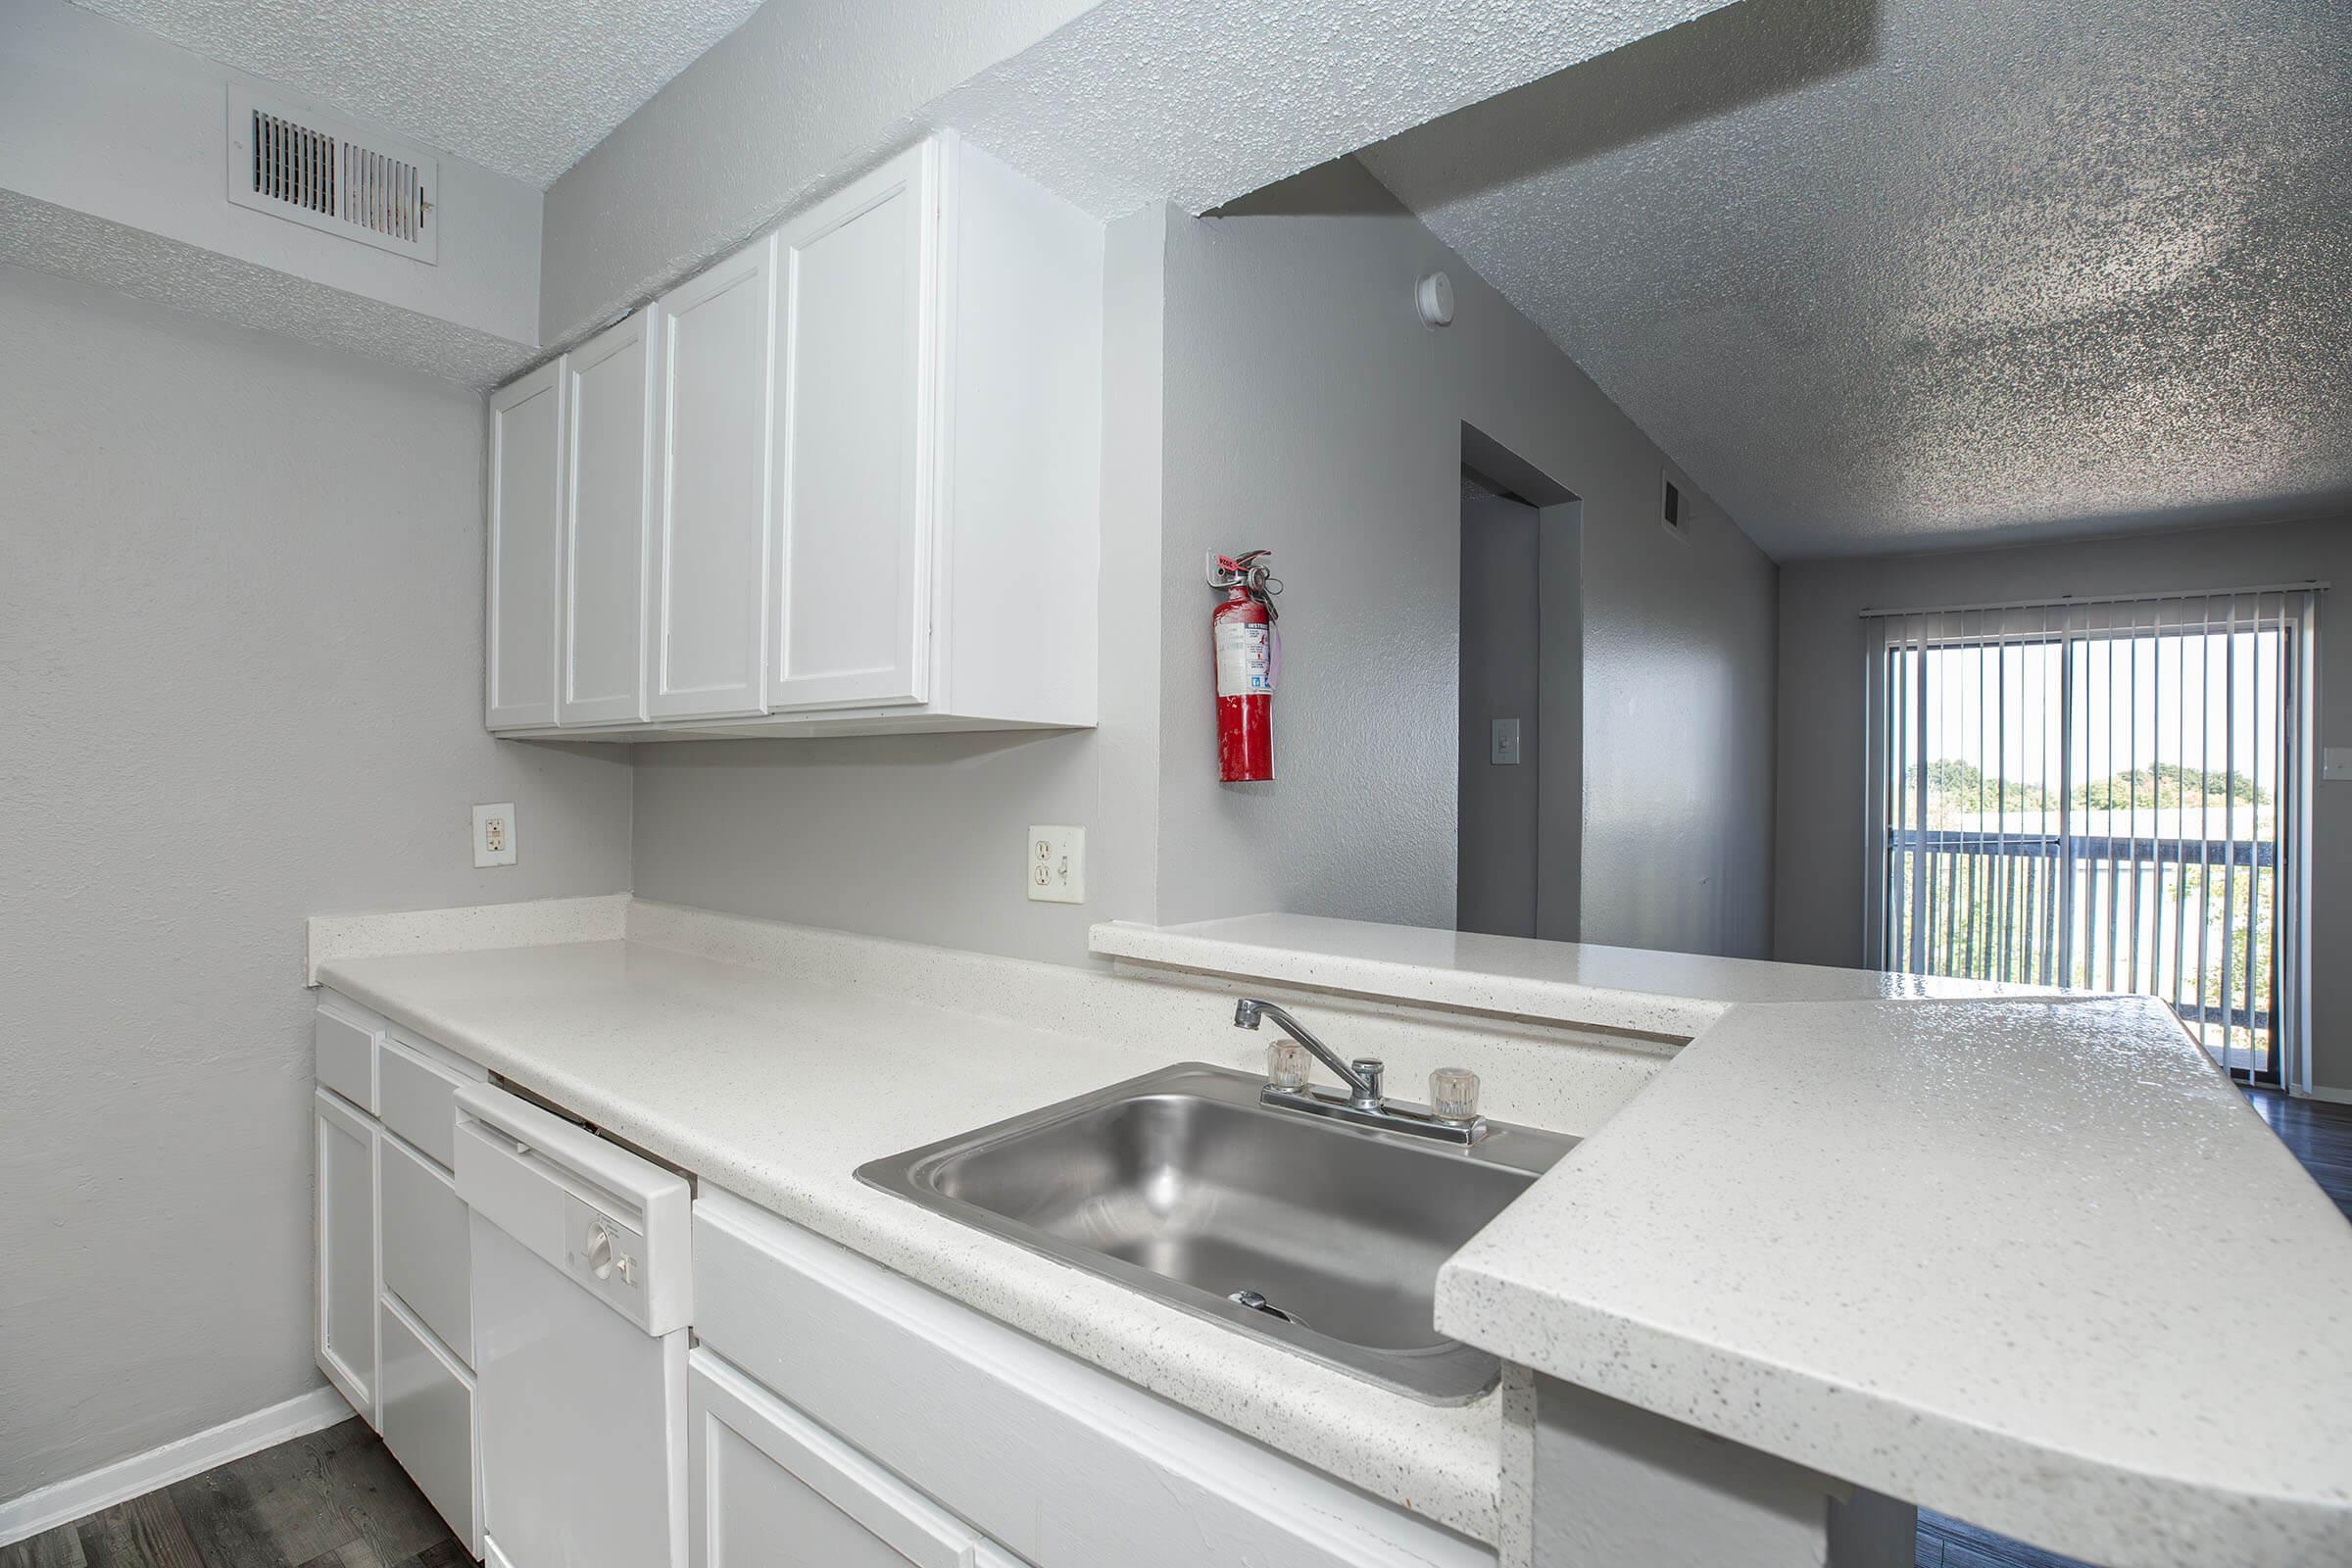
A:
[(319, 171), (1670, 502)]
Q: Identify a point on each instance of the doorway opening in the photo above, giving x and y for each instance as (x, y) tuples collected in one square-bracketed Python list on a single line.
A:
[(1519, 802)]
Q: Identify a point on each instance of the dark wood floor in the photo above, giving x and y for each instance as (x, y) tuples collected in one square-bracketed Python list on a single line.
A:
[(336, 1499), (2319, 1135)]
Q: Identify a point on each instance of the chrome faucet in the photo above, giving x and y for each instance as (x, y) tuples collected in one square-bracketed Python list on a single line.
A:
[(1363, 1103), (1363, 1076)]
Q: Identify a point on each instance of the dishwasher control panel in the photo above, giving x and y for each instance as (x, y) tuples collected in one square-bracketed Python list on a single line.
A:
[(618, 1226), (605, 1256)]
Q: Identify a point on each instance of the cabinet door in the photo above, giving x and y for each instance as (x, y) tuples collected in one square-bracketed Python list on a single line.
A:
[(346, 1241), (857, 441), (772, 1489), (526, 515), (427, 1258), (708, 657), (608, 526)]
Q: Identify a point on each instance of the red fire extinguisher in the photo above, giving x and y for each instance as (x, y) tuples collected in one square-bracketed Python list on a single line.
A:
[(1248, 649)]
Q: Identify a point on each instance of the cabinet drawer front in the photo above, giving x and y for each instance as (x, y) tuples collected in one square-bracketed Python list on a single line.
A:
[(417, 1100), (427, 1254), (774, 1489), (427, 1402), (346, 1056), (1054, 1460)]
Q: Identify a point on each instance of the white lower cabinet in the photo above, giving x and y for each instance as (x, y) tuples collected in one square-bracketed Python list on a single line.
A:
[(1034, 1455), (774, 1489), (395, 1315), (835, 1415), (428, 1418)]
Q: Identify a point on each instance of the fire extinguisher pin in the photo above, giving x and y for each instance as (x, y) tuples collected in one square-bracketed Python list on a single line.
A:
[(1246, 572)]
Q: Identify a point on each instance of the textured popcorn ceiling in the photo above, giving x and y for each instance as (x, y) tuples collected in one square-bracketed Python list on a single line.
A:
[(1917, 275), (1195, 102), (519, 86), (187, 278)]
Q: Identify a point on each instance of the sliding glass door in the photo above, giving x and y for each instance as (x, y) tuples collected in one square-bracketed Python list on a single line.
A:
[(2099, 796)]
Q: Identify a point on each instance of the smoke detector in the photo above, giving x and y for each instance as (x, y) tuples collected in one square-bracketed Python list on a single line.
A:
[(1433, 298)]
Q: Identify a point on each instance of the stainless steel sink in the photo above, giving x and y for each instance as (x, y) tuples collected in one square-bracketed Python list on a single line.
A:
[(1317, 1236)]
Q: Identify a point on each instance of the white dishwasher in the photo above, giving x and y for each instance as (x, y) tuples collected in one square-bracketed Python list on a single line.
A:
[(582, 1293)]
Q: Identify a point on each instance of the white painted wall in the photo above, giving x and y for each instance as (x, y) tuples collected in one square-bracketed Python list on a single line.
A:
[(240, 631), (108, 120), (802, 95), (1309, 410), (1820, 822)]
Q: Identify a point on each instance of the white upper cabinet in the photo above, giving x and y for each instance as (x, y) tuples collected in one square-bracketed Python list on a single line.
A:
[(713, 515), (855, 441), (525, 518), (607, 524), (875, 474)]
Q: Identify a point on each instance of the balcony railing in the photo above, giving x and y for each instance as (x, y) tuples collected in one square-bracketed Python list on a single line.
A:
[(2189, 921)]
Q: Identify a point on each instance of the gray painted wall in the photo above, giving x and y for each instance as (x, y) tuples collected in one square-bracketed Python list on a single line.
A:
[(921, 837), (1819, 894), (1267, 383), (1309, 410), (240, 628)]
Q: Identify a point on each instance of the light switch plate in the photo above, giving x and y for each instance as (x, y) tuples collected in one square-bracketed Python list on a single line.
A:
[(1056, 866), (1505, 750), (2335, 762), (494, 834)]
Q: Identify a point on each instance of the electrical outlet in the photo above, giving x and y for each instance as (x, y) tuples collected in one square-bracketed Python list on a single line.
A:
[(2336, 763), (494, 834), (1055, 869)]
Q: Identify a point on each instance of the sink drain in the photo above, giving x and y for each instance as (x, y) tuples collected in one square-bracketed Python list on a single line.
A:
[(1258, 1304)]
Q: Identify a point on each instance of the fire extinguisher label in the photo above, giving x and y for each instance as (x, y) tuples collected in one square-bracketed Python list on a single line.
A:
[(1245, 659)]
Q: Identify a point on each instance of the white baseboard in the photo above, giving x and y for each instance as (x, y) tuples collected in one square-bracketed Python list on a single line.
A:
[(2337, 1096), (64, 1501)]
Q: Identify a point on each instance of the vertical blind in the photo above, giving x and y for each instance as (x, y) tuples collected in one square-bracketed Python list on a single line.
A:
[(2102, 795)]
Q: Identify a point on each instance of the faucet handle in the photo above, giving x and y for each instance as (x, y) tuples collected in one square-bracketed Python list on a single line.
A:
[(1287, 1065), (1454, 1095)]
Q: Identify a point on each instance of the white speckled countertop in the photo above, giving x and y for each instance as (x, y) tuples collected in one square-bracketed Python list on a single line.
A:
[(2024, 1257), (1670, 993), (2037, 1264), (778, 1089)]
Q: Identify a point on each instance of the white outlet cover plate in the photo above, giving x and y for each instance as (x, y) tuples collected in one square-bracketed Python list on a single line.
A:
[(486, 854), (2335, 762), (1054, 866)]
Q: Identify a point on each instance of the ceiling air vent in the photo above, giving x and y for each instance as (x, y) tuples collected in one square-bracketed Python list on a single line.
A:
[(325, 174)]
